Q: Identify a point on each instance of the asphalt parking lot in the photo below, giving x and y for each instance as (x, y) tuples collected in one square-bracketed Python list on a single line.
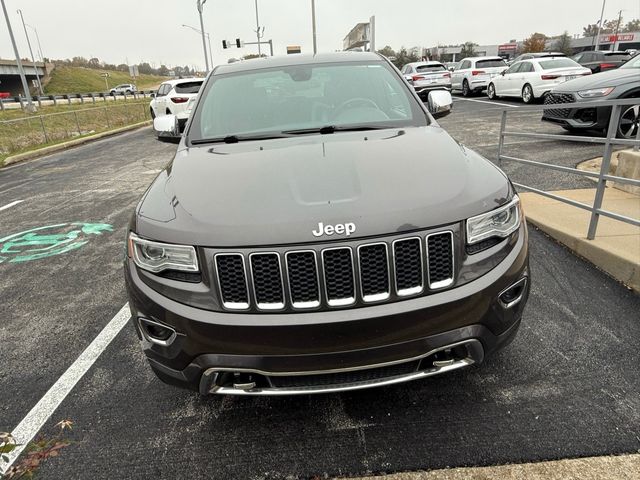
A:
[(566, 387)]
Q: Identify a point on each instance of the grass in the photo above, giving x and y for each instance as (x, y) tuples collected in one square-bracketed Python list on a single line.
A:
[(25, 132), (86, 80)]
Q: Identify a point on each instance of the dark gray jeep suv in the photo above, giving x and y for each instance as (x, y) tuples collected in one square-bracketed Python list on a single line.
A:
[(318, 231)]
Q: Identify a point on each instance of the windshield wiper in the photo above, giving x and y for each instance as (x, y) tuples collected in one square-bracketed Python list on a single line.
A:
[(328, 129), (238, 138)]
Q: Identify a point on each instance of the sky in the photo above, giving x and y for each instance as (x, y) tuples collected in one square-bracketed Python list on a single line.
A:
[(133, 31)]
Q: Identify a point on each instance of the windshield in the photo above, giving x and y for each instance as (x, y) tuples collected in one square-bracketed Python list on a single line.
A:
[(559, 63), (188, 87), (633, 63), (296, 97), (490, 63), (430, 68)]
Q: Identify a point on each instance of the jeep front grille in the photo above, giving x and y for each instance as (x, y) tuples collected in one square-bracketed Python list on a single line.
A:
[(335, 277)]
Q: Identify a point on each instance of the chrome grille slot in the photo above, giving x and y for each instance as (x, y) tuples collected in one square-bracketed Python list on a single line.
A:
[(374, 272), (409, 266), (304, 285), (440, 259), (267, 280), (339, 280), (232, 280)]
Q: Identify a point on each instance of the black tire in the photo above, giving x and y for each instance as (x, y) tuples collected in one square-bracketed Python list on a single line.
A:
[(629, 122), (153, 114), (527, 94), (466, 91), (491, 92)]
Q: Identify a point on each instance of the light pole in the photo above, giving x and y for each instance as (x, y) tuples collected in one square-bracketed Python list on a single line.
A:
[(615, 38), (313, 22), (208, 41), (200, 4), (38, 40), (25, 86), (600, 25), (33, 59), (259, 33)]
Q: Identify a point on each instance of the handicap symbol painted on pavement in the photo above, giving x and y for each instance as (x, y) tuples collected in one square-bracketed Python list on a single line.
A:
[(43, 242)]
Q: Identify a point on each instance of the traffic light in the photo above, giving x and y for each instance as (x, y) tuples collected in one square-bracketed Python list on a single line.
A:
[(225, 45), (238, 43)]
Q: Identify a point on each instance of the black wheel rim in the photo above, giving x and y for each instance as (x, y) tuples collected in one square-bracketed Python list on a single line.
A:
[(630, 122)]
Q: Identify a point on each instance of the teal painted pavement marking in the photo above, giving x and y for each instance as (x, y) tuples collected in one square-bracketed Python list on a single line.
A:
[(33, 245)]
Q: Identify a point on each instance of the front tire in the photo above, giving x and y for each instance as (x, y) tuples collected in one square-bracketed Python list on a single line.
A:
[(629, 122), (491, 92), (527, 94)]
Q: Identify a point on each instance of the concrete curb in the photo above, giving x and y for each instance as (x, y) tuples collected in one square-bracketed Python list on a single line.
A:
[(623, 467), (21, 157)]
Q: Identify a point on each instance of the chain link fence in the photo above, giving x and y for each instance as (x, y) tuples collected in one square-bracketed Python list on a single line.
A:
[(27, 133)]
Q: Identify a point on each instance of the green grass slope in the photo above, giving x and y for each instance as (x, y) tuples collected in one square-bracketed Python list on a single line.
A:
[(85, 80)]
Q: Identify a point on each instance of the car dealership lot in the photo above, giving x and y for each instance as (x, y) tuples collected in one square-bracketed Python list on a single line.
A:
[(566, 387)]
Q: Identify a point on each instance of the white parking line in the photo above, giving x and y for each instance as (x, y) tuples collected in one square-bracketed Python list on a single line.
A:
[(12, 204), (486, 101), (37, 417)]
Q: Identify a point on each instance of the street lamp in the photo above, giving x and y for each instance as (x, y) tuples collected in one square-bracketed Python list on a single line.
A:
[(604, 2), (33, 59), (259, 31), (200, 4), (38, 40), (25, 86), (208, 41)]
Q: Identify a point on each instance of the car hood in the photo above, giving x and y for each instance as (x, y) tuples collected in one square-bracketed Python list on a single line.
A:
[(275, 192), (610, 78)]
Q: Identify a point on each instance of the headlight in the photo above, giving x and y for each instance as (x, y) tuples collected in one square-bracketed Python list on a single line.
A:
[(596, 92), (156, 257), (500, 222)]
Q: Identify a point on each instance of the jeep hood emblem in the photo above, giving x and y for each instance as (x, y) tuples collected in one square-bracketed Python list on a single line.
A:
[(339, 229)]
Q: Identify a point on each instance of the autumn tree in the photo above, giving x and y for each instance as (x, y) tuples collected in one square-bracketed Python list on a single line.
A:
[(535, 43)]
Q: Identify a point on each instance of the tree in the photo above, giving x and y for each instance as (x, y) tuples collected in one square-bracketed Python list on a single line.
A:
[(632, 26), (535, 43), (563, 44), (590, 30), (468, 49), (612, 26), (404, 56), (388, 52)]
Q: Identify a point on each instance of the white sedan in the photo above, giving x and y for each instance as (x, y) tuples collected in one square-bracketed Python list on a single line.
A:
[(532, 79)]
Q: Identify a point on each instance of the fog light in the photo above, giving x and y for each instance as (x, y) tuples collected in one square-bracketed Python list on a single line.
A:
[(512, 295), (156, 332)]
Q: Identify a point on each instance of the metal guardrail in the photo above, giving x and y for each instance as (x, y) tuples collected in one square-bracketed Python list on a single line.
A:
[(67, 98), (609, 141)]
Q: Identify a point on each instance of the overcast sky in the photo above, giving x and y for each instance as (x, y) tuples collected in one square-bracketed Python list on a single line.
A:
[(150, 30)]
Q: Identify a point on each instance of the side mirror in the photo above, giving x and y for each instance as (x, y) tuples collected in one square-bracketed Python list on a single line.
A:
[(166, 126), (503, 72), (152, 95), (439, 102)]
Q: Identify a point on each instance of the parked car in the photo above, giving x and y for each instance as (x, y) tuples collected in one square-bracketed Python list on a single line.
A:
[(623, 82), (451, 66), (427, 76), (326, 235), (125, 88), (531, 55), (532, 79), (473, 74), (601, 61), (172, 98)]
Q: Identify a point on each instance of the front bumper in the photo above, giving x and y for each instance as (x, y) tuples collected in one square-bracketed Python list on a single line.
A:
[(579, 118), (258, 352)]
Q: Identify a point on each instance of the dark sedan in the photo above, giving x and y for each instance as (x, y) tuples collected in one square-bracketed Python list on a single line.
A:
[(601, 61), (612, 85)]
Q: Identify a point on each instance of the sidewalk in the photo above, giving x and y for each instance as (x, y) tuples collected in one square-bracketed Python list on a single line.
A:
[(616, 248), (624, 467)]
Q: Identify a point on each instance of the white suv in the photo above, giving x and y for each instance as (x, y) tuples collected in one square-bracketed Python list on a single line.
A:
[(473, 74), (125, 88), (173, 97)]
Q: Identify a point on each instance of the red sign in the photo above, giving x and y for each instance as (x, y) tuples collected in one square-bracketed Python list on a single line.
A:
[(623, 37), (508, 47)]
